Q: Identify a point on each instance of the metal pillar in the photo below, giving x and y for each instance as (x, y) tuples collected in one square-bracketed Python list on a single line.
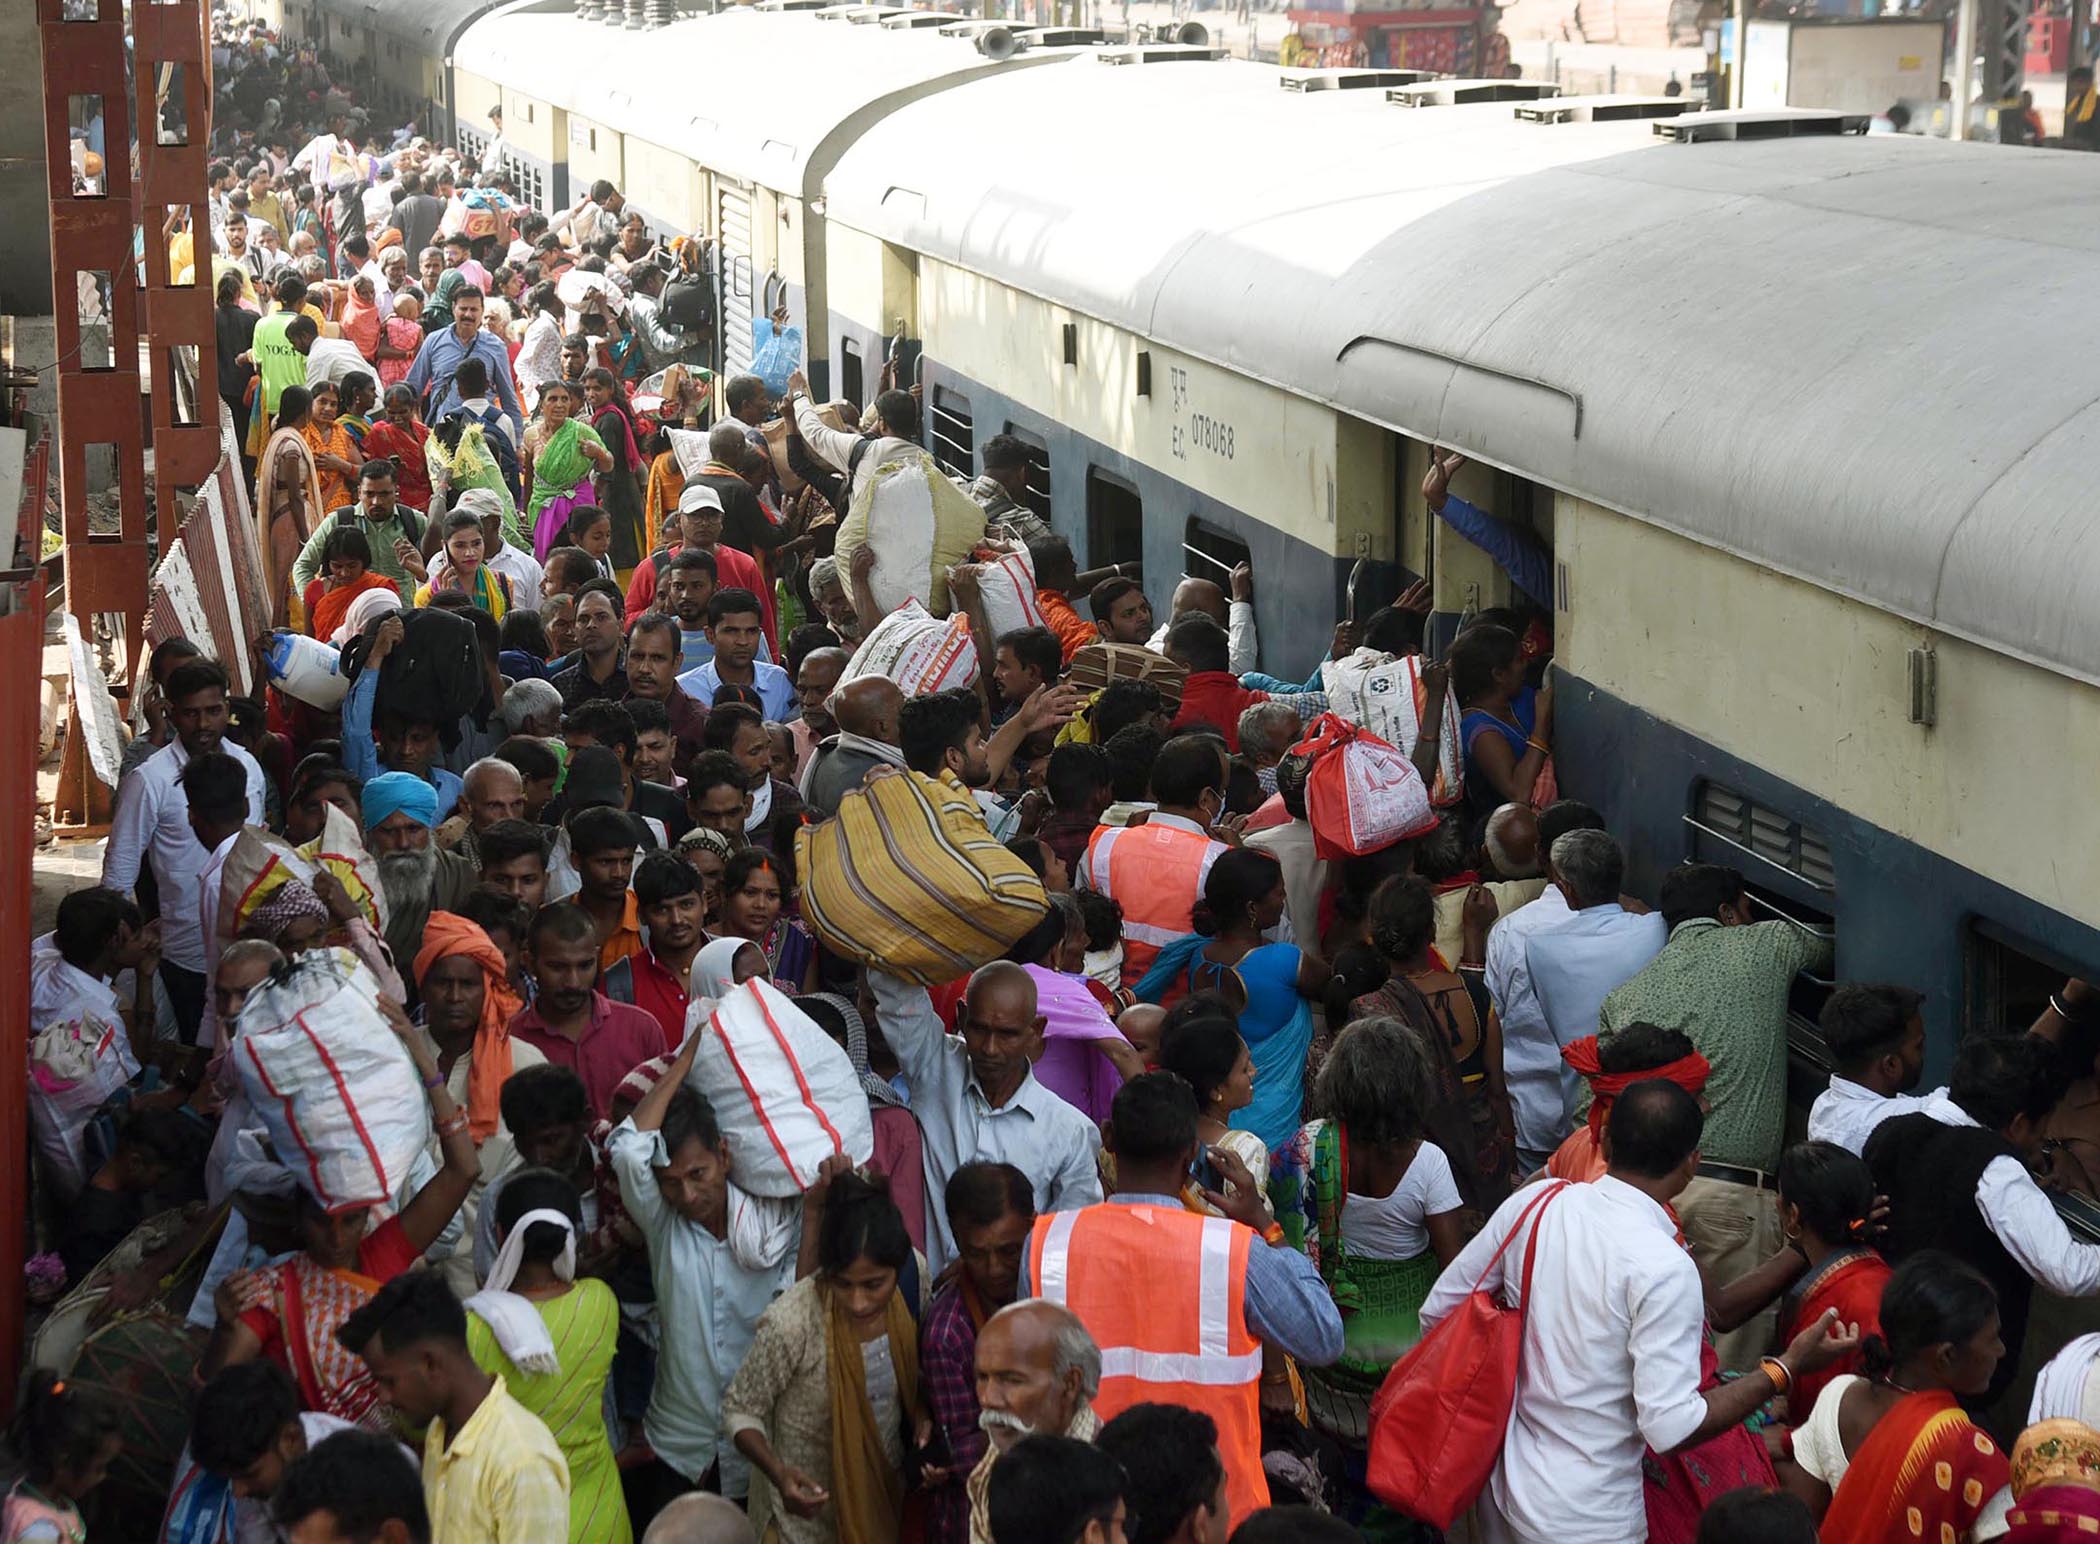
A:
[(173, 70), (95, 307)]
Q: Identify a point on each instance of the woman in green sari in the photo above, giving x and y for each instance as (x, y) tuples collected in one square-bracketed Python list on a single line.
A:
[(550, 1338), (561, 451), (1375, 1209)]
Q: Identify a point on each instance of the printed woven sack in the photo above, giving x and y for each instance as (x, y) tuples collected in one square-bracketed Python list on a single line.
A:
[(690, 447), (330, 1082), (907, 877), (918, 652), (920, 525), (261, 863), (1383, 693), (76, 1064), (1006, 585), (1361, 794), (784, 1093)]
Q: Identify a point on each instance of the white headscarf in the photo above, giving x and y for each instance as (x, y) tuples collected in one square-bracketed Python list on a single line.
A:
[(713, 977), (375, 602), (513, 1319)]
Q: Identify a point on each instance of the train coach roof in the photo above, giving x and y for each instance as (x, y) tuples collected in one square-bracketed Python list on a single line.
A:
[(748, 94), (430, 26), (1866, 362)]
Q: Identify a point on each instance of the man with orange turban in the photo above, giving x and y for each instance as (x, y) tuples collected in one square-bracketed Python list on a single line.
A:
[(468, 1004)]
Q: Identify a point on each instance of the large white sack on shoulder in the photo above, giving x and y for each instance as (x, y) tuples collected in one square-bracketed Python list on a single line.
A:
[(784, 1093), (1006, 586), (307, 669), (330, 1081), (919, 523)]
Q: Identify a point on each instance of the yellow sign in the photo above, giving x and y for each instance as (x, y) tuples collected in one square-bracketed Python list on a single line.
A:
[(1910, 62)]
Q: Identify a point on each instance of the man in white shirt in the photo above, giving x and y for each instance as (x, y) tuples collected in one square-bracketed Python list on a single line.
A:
[(216, 788), (1291, 845), (330, 360), (1243, 649), (492, 155), (976, 1095), (1876, 1036), (1612, 1325), (1575, 965), (1956, 1176), (152, 826)]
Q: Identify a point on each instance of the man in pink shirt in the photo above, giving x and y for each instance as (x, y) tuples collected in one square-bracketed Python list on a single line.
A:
[(821, 669), (572, 1023)]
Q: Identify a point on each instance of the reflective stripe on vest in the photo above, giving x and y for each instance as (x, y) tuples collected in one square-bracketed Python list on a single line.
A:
[(1155, 885), (1213, 1363)]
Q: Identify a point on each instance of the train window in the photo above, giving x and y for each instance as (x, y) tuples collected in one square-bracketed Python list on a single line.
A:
[(1037, 494), (1115, 520), (850, 376), (1211, 552), (1765, 834), (954, 441), (2007, 979), (738, 301)]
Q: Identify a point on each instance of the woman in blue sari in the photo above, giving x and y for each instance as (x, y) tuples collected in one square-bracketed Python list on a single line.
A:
[(1270, 985), (1506, 727)]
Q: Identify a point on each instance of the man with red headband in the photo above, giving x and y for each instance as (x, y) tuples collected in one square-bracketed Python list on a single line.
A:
[(1636, 1052)]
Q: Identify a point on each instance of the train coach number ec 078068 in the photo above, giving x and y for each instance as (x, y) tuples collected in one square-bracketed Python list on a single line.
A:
[(1202, 432)]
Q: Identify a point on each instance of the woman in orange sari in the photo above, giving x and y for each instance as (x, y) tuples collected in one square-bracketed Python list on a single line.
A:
[(398, 437), (347, 572), (1825, 1197), (1902, 1457), (287, 499), (335, 454), (289, 1312)]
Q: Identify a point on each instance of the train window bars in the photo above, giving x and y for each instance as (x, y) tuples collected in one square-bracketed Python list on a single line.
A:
[(954, 437), (1037, 494), (1211, 552)]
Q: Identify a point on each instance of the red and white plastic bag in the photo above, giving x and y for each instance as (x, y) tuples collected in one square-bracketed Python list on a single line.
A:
[(1361, 795)]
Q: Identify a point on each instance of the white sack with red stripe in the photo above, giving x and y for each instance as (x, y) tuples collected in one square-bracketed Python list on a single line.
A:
[(784, 1093), (1006, 586), (78, 1058), (330, 1082)]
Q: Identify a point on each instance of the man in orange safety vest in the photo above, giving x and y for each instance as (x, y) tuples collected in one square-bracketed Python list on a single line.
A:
[(1217, 1289)]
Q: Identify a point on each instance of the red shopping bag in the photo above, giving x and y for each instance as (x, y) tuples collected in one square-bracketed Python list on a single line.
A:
[(1438, 1421), (1361, 794)]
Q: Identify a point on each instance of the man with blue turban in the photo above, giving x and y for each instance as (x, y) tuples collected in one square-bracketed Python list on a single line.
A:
[(418, 877)]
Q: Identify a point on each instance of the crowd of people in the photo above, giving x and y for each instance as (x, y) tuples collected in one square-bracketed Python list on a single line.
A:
[(1164, 1193)]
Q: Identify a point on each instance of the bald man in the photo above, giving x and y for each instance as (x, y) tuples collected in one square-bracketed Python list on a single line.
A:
[(1038, 1371), (1237, 618), (814, 684), (1511, 838), (976, 1094), (699, 1518), (865, 710)]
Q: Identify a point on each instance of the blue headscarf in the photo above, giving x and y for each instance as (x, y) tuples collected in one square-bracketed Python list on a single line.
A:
[(403, 791)]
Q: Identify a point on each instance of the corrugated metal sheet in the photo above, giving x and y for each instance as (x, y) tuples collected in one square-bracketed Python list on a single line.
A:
[(1865, 362)]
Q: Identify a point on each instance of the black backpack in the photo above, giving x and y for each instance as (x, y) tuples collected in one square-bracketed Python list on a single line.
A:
[(688, 302), (434, 674)]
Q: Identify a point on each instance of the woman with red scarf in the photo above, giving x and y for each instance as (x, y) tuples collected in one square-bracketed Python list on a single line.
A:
[(398, 437)]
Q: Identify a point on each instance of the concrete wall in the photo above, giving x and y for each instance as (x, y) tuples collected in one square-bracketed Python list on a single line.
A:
[(25, 257)]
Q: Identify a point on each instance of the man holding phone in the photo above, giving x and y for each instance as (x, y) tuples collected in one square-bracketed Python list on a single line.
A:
[(391, 529)]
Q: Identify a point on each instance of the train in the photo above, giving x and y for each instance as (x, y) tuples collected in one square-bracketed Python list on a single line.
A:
[(1805, 415)]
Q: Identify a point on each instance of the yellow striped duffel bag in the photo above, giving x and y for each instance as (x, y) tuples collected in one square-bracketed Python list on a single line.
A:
[(907, 878)]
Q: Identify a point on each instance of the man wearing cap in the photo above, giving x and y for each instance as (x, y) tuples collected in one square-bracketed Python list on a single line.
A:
[(696, 526), (399, 811)]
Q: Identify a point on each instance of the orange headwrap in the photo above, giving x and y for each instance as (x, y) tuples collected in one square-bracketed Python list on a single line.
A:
[(489, 1066), (1687, 1072)]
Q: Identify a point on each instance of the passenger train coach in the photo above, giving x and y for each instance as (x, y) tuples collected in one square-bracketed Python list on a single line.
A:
[(1807, 418)]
